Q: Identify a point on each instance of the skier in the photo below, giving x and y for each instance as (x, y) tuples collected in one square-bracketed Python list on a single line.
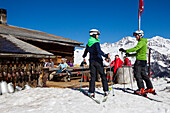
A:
[(96, 62), (140, 64), (115, 64), (126, 62)]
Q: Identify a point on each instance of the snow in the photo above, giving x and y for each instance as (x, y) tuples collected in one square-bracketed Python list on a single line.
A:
[(78, 53), (160, 44), (162, 64), (55, 100)]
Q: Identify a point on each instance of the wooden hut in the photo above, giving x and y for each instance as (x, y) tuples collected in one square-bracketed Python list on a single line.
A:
[(21, 50), (55, 45)]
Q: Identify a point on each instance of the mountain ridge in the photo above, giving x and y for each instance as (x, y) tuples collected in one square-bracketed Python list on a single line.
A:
[(160, 53)]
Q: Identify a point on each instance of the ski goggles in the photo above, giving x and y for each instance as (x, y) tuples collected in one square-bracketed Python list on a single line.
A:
[(134, 34)]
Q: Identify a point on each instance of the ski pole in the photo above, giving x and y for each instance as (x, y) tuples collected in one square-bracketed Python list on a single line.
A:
[(130, 76), (82, 76), (111, 78), (123, 71), (123, 78)]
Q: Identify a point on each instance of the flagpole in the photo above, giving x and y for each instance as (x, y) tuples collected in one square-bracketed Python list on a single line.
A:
[(140, 11), (139, 20)]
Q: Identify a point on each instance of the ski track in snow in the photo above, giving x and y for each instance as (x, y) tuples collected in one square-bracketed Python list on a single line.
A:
[(55, 100)]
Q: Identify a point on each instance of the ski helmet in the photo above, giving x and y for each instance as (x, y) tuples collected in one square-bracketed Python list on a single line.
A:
[(93, 32), (138, 32)]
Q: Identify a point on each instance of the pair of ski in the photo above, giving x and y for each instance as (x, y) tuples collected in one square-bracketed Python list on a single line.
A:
[(94, 99), (145, 95)]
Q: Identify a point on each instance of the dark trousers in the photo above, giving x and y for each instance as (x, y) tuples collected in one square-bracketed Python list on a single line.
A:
[(93, 67), (140, 74)]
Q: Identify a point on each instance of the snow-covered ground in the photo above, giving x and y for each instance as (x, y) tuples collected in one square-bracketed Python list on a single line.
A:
[(55, 100)]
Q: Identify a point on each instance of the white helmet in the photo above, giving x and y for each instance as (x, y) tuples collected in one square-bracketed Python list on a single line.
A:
[(138, 32), (94, 32)]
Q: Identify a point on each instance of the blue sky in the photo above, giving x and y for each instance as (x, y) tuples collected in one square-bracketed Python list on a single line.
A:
[(74, 18)]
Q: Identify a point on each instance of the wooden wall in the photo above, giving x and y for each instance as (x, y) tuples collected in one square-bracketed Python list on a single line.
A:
[(60, 51)]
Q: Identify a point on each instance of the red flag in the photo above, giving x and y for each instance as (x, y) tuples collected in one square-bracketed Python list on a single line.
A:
[(140, 7)]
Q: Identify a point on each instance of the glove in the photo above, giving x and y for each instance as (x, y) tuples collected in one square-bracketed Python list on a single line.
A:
[(122, 50), (127, 54)]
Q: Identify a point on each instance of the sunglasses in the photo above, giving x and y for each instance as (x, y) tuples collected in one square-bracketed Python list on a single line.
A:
[(134, 34)]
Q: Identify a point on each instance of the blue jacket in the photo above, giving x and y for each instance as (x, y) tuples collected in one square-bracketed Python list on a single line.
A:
[(95, 53)]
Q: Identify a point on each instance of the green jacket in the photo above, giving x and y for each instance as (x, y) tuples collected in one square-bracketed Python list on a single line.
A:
[(141, 49)]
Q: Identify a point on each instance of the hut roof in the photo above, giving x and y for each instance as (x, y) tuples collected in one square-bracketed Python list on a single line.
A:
[(28, 34), (10, 44)]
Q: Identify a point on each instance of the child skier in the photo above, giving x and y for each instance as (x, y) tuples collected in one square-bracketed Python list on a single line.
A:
[(140, 64), (96, 62)]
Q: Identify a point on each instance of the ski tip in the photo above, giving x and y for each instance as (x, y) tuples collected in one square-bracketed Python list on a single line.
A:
[(155, 94), (145, 95), (98, 102)]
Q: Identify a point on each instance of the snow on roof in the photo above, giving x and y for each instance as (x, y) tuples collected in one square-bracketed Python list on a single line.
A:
[(11, 44)]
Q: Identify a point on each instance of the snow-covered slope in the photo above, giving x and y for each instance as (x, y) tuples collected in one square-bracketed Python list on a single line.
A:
[(54, 100), (160, 56), (160, 44)]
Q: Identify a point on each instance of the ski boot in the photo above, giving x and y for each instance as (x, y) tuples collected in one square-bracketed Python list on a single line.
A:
[(68, 77), (140, 92), (91, 94), (150, 91), (106, 93)]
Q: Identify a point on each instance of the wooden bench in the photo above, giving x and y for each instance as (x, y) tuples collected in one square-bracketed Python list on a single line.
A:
[(63, 76)]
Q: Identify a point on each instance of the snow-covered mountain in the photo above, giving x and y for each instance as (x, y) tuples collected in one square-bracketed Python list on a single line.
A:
[(160, 54)]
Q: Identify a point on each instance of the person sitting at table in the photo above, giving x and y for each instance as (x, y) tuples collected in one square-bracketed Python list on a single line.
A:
[(63, 68), (83, 63), (45, 63), (70, 63), (106, 62), (51, 63)]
